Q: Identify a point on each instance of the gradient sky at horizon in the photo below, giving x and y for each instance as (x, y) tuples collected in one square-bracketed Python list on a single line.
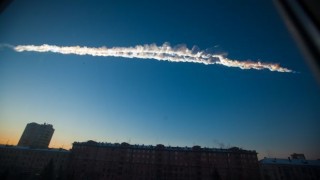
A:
[(151, 102)]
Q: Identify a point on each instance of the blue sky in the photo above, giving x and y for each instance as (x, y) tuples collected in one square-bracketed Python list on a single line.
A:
[(150, 102)]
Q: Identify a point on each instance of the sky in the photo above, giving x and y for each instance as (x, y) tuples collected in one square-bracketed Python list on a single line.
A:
[(146, 101)]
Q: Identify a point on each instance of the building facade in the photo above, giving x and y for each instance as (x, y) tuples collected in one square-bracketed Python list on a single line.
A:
[(92, 160), (36, 135), (295, 167), (18, 162)]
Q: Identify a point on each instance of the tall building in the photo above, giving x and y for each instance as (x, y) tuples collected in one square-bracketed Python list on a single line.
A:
[(36, 135), (92, 160)]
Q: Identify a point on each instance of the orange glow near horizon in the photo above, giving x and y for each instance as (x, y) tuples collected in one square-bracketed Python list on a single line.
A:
[(9, 140), (59, 144), (14, 139), (14, 142)]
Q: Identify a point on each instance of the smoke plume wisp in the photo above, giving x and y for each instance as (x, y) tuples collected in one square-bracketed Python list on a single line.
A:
[(152, 51)]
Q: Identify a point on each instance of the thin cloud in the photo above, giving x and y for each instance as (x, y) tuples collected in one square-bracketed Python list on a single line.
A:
[(152, 51)]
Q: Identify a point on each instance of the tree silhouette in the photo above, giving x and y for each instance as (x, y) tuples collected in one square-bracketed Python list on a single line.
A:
[(215, 174), (5, 174), (60, 174), (48, 171)]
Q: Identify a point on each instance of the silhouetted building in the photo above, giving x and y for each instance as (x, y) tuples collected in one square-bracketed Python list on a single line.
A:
[(36, 135), (298, 156), (92, 160), (18, 162), (294, 168)]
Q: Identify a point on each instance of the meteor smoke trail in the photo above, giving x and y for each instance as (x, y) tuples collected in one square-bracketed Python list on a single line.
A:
[(152, 51)]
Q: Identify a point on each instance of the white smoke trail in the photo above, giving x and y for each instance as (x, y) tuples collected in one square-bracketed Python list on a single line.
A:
[(152, 51)]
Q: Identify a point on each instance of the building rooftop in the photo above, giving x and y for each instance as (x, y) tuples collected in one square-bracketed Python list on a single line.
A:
[(161, 146), (276, 161)]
